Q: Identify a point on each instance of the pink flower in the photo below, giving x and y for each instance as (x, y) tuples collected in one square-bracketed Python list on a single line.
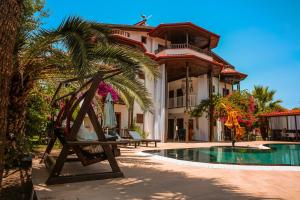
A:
[(104, 89)]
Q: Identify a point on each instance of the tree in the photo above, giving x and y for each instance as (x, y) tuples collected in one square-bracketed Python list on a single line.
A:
[(77, 48), (9, 26), (264, 99), (240, 102)]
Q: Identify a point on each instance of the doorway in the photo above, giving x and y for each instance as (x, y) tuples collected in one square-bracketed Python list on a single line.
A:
[(171, 129), (191, 129), (118, 118), (181, 130)]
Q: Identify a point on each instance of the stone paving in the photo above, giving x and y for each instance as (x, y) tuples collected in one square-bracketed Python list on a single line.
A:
[(150, 178)]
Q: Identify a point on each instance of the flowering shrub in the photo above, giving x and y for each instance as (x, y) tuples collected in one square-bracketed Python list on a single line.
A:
[(241, 102), (104, 89), (232, 122), (248, 118)]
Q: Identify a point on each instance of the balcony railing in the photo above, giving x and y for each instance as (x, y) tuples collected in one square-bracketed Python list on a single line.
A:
[(120, 32), (183, 46), (179, 102)]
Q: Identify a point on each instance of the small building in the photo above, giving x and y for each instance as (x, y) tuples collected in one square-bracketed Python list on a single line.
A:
[(280, 125), (190, 72)]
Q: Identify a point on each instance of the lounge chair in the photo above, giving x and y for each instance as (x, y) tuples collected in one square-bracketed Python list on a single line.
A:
[(137, 138), (128, 141), (67, 133)]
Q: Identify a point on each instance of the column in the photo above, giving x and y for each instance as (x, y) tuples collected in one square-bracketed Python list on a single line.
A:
[(187, 39), (186, 115), (159, 106), (166, 40), (166, 103), (296, 127), (211, 108)]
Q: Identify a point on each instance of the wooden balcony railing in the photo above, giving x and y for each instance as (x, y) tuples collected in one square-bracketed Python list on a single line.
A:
[(183, 46)]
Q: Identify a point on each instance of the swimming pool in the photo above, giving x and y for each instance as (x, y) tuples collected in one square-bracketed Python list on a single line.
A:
[(278, 154)]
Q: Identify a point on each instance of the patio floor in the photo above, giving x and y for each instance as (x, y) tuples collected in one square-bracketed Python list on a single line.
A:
[(149, 178)]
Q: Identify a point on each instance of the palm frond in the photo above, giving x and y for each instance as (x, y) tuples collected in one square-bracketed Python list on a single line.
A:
[(125, 58), (78, 47), (131, 89)]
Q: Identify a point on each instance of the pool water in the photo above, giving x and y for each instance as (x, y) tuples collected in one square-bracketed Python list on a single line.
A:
[(278, 154)]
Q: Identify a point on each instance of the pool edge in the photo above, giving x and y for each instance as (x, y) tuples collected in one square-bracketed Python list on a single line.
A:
[(221, 166)]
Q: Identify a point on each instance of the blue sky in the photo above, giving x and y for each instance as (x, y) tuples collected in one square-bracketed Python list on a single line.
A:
[(259, 37)]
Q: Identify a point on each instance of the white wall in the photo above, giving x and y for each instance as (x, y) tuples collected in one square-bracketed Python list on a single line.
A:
[(124, 115), (221, 85), (136, 35), (151, 44), (202, 88)]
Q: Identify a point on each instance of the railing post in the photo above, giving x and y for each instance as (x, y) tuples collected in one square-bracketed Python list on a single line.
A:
[(166, 38), (187, 38)]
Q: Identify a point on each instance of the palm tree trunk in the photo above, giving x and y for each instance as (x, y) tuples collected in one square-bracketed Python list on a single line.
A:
[(18, 97), (10, 12)]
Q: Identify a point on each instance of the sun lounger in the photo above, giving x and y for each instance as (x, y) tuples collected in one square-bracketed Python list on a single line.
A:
[(120, 139), (136, 137)]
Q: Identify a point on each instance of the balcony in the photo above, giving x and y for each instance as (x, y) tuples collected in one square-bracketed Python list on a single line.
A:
[(183, 46), (120, 33), (179, 102)]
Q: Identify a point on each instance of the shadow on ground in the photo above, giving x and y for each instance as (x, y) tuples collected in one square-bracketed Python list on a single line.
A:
[(16, 184), (145, 179)]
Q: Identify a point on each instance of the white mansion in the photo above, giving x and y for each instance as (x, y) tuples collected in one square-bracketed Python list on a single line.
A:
[(190, 72)]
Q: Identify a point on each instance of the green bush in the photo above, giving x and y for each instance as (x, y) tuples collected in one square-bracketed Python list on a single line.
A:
[(38, 114)]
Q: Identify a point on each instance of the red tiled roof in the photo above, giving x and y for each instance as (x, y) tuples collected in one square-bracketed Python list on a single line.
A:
[(230, 71), (283, 113)]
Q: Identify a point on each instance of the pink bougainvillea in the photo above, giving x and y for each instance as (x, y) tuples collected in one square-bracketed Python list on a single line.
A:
[(104, 89)]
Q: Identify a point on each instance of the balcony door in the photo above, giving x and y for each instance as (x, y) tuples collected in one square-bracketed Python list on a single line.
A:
[(181, 130)]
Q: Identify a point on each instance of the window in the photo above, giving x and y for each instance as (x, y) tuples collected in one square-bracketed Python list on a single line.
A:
[(141, 75), (171, 94), (225, 92), (144, 39), (160, 46), (179, 92), (214, 89), (140, 118)]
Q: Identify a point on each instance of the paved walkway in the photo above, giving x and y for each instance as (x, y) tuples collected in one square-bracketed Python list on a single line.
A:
[(149, 178)]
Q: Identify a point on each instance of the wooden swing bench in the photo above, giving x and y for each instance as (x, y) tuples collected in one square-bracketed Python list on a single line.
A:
[(70, 146)]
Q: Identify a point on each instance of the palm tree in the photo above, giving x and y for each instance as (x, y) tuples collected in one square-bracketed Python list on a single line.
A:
[(11, 9), (76, 48), (264, 98)]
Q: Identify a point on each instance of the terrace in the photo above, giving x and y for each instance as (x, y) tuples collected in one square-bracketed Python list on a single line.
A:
[(148, 177), (180, 49)]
